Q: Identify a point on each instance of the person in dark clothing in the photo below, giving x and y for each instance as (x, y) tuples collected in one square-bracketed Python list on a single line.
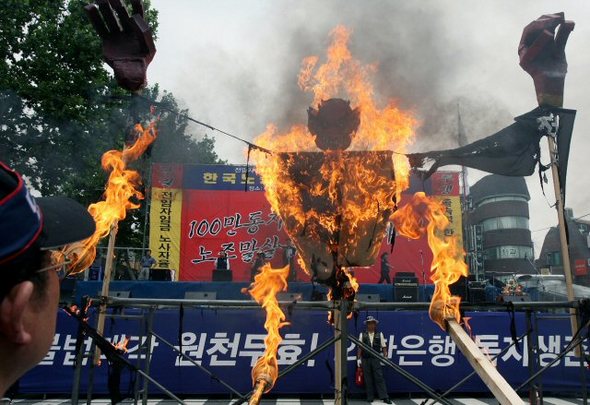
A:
[(30, 276), (289, 253), (372, 366), (259, 261), (385, 268), (222, 262)]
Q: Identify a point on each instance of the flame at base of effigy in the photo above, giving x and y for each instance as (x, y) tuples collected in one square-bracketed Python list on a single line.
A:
[(267, 284)]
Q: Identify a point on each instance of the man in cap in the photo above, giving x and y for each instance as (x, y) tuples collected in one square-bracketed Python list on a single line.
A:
[(372, 371), (29, 280)]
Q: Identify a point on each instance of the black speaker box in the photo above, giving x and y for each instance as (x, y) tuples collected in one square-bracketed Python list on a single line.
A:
[(460, 288), (222, 275), (160, 275), (406, 293)]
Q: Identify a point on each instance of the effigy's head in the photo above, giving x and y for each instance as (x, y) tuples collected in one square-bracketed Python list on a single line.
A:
[(333, 124)]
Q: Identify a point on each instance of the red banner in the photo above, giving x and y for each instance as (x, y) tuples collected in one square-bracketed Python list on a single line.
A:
[(236, 222), (581, 267), (218, 214)]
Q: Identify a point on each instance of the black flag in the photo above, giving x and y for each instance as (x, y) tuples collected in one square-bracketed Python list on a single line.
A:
[(513, 151)]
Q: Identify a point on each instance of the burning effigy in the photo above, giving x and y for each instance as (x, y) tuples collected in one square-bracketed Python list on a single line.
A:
[(336, 181)]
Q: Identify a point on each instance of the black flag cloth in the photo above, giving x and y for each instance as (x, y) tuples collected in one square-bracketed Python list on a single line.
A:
[(513, 151)]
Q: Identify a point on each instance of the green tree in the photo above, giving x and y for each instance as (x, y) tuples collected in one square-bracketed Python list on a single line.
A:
[(60, 108)]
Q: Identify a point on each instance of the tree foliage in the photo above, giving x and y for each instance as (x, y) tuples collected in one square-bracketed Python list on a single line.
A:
[(60, 107)]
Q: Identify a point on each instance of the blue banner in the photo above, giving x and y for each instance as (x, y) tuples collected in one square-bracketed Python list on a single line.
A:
[(228, 342), (221, 177)]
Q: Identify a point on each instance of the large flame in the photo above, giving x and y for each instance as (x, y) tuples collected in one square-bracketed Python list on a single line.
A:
[(267, 284), (427, 215), (369, 193), (336, 203), (122, 185)]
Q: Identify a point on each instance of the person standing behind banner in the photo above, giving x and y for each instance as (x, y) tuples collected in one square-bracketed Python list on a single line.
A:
[(147, 262), (222, 262), (289, 253), (372, 371), (385, 268)]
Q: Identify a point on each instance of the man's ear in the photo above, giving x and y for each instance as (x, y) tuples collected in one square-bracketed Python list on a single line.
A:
[(13, 310)]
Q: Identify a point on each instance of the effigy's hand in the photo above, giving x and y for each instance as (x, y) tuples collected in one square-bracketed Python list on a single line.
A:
[(542, 55), (127, 41)]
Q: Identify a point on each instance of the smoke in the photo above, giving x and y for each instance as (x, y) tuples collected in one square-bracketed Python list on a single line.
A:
[(416, 62), (243, 89)]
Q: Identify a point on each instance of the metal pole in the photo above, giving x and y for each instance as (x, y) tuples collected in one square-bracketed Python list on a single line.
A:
[(533, 396), (535, 342), (77, 375), (583, 372), (562, 233), (106, 281), (340, 354), (90, 389), (148, 358)]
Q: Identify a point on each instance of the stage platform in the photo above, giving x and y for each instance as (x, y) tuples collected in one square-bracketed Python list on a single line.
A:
[(293, 401), (228, 290)]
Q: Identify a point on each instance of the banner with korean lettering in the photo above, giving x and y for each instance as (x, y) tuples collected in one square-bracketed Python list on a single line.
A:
[(225, 210), (220, 212), (165, 216), (228, 342)]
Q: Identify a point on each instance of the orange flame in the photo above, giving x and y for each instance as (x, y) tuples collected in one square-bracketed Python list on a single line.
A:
[(122, 344), (426, 215), (267, 284), (368, 193), (122, 185)]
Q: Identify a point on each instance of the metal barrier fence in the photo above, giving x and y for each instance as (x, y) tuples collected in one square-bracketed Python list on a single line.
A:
[(149, 306)]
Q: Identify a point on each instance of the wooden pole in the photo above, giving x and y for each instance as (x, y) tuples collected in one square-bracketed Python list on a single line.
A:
[(502, 391), (340, 354), (106, 281), (567, 269)]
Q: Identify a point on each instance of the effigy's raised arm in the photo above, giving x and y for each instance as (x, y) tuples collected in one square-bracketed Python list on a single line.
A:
[(127, 40), (542, 55)]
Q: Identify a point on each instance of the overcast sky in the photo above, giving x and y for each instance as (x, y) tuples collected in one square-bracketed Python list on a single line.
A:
[(233, 64)]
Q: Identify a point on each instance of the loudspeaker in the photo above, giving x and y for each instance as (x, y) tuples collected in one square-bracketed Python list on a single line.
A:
[(516, 298), (407, 293), (200, 295), (460, 288), (477, 295), (405, 274), (289, 296), (368, 297), (160, 275), (120, 294), (222, 275)]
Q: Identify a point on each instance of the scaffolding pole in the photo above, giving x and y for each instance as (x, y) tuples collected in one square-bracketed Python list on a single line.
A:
[(340, 354)]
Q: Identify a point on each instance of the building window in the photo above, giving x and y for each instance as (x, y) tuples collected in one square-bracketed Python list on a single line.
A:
[(502, 198), (509, 252), (492, 224), (554, 259)]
